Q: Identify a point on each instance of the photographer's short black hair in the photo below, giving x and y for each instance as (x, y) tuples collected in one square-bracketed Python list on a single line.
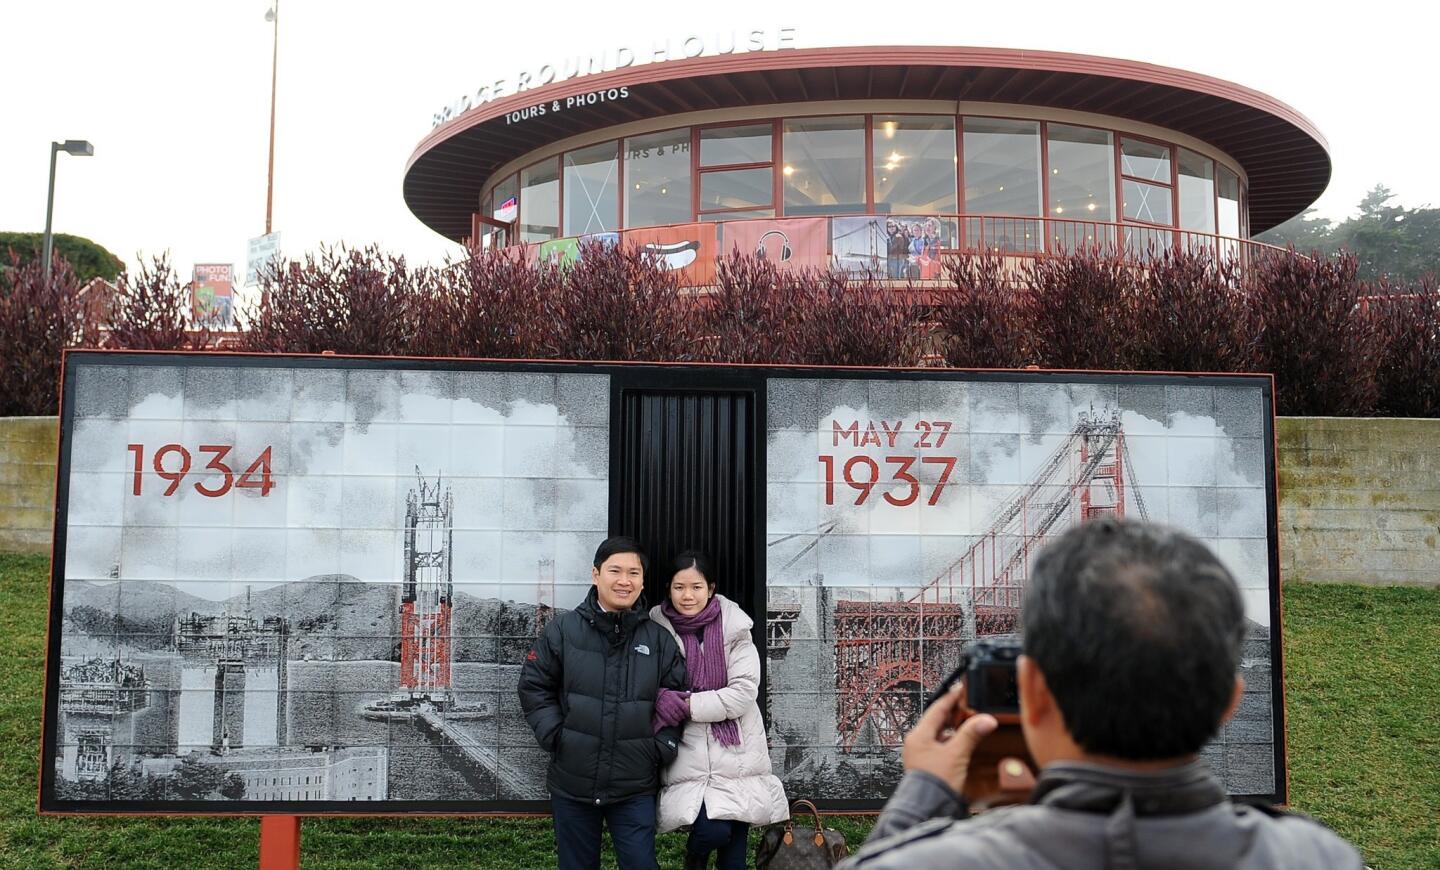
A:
[(697, 560), (621, 544), (1137, 629)]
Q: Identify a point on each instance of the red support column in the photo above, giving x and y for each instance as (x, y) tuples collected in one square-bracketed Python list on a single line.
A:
[(279, 843)]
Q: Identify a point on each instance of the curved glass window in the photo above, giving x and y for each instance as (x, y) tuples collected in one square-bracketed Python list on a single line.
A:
[(657, 179), (1149, 161), (1147, 202), (1002, 177), (1227, 188), (592, 189), (1016, 196), (502, 203), (504, 200), (1197, 191), (1002, 166), (1227, 195), (824, 166), (1082, 173), (914, 164), (735, 188), (1146, 195), (1082, 185), (725, 146), (540, 202)]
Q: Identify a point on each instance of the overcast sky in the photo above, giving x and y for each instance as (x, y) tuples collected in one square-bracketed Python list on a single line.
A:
[(175, 96)]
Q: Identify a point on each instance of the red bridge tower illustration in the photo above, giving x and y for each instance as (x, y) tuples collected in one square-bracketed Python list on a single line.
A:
[(426, 598), (888, 653)]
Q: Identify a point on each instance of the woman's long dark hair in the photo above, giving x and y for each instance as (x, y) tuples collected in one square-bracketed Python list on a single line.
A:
[(697, 560)]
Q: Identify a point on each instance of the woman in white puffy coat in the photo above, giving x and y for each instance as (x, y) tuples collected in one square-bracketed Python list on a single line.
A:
[(720, 782)]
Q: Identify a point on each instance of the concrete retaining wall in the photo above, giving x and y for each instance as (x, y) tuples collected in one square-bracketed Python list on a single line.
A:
[(27, 483), (1359, 498)]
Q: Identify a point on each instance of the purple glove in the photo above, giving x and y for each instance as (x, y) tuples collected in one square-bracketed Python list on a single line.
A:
[(671, 708)]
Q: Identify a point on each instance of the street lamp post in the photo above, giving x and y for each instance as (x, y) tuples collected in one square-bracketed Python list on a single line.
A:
[(74, 147), (273, 16)]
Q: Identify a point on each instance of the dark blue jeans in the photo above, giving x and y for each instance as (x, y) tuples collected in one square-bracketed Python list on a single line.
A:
[(723, 836), (632, 830)]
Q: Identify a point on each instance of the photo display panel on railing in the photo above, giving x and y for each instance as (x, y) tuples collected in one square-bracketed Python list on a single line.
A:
[(306, 584)]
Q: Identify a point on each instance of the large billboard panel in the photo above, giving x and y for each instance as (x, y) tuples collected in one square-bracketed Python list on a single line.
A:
[(312, 585), (902, 521), (305, 584)]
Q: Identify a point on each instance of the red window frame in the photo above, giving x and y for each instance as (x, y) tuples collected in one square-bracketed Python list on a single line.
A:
[(1121, 176), (776, 162), (697, 171)]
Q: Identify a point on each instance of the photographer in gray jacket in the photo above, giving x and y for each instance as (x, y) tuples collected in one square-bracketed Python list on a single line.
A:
[(1132, 637)]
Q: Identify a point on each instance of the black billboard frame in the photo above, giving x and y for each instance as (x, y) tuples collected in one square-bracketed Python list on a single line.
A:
[(678, 377)]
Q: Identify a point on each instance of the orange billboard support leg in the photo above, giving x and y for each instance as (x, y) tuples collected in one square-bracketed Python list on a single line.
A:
[(279, 843)]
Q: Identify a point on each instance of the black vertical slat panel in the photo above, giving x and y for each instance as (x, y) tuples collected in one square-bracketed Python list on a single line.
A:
[(685, 482)]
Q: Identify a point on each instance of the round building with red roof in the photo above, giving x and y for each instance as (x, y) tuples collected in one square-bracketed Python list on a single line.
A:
[(878, 159)]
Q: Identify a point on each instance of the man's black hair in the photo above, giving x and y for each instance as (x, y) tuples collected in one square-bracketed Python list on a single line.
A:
[(617, 545), (1137, 629), (697, 560)]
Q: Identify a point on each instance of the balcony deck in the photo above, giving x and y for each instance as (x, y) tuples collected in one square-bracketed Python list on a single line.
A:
[(909, 248)]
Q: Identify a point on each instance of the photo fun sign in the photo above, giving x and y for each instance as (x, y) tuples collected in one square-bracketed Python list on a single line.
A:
[(305, 584), (621, 57)]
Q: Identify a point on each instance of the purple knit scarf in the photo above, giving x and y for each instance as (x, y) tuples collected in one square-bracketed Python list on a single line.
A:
[(704, 637)]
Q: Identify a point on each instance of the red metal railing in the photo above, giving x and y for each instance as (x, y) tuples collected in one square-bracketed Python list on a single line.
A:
[(942, 235)]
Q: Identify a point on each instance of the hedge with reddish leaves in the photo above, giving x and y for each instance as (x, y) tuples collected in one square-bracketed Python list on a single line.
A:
[(348, 302), (1408, 374), (1337, 345), (982, 315), (37, 322), (152, 311), (615, 304), (1311, 333)]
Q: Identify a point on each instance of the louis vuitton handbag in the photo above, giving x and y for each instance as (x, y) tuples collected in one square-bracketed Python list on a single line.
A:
[(797, 847)]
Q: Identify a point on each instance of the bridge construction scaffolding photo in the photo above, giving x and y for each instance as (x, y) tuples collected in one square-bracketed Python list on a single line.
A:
[(871, 604)]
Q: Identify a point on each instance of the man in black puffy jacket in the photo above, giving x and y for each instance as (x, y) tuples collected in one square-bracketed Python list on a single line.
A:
[(588, 690)]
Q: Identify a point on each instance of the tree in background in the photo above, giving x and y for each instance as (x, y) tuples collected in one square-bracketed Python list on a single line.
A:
[(1388, 241), (1391, 241), (87, 259), (233, 787), (37, 322), (194, 780), (1303, 232)]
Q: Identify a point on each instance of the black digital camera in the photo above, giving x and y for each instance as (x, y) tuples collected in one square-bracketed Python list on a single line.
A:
[(988, 668)]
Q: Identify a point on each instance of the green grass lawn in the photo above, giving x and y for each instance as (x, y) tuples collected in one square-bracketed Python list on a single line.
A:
[(1364, 737)]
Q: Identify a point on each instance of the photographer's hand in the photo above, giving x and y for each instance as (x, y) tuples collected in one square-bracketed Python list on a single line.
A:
[(934, 747)]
